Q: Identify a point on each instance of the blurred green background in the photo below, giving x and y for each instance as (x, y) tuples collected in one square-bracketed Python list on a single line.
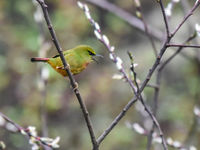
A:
[(20, 98)]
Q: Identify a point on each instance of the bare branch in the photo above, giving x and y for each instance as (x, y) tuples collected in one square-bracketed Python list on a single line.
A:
[(116, 120), (183, 46), (155, 107), (186, 17), (120, 67), (152, 116), (165, 18), (129, 18), (72, 80), (176, 53), (28, 132)]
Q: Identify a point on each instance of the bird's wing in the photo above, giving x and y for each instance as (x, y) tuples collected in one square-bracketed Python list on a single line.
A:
[(64, 53), (69, 58), (56, 56)]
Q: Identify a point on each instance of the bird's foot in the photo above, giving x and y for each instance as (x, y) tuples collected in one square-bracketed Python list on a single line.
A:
[(60, 67), (75, 87)]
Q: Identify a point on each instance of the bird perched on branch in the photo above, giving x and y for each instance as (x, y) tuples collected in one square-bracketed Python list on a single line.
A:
[(78, 59)]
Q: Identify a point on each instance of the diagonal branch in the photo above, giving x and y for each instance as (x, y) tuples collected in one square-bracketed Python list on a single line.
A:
[(126, 16), (186, 17), (67, 68), (116, 120), (148, 77), (152, 115), (119, 64), (29, 132)]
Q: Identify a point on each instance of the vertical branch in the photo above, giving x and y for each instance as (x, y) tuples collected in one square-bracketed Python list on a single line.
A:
[(165, 18), (155, 107), (72, 80)]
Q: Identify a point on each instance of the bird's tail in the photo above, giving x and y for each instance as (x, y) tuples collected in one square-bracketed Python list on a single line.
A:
[(38, 59)]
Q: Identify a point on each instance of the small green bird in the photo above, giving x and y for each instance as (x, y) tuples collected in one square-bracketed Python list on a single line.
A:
[(78, 59)]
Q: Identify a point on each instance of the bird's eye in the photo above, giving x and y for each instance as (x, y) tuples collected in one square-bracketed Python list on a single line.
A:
[(91, 53)]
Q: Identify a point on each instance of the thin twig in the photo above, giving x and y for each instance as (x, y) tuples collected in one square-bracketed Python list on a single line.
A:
[(186, 17), (152, 86), (158, 80), (72, 80), (102, 38), (164, 47), (129, 18), (152, 116), (116, 120), (176, 53), (24, 131), (155, 108), (182, 45), (165, 18)]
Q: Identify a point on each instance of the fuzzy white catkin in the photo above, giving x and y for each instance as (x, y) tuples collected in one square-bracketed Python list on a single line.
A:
[(87, 14), (138, 128), (11, 127), (2, 121), (117, 76), (45, 73), (111, 56), (197, 28), (32, 130), (119, 63), (97, 34), (176, 1), (169, 141), (55, 142), (168, 9), (97, 27), (196, 111), (80, 5), (177, 144), (112, 49), (106, 40), (35, 147), (38, 16), (192, 148), (157, 139), (86, 7)]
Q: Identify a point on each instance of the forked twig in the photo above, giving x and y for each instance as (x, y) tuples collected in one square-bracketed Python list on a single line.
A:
[(121, 69)]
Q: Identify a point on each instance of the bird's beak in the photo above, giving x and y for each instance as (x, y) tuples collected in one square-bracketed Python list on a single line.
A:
[(98, 55)]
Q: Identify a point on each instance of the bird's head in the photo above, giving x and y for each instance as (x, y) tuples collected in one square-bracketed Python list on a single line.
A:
[(88, 52)]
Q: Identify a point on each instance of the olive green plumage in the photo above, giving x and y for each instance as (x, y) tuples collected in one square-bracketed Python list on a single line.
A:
[(78, 59)]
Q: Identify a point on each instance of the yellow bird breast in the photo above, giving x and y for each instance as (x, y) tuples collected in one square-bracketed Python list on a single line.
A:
[(75, 68)]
